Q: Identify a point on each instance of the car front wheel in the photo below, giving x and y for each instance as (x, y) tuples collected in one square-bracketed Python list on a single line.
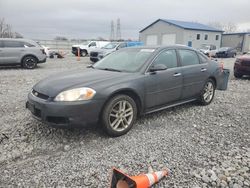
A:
[(207, 93), (84, 53), (29, 62), (119, 115)]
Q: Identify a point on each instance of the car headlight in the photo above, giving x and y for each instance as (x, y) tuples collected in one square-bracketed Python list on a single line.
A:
[(77, 94)]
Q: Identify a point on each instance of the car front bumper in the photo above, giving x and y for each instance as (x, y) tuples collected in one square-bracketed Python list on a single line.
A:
[(243, 70), (64, 114), (43, 60)]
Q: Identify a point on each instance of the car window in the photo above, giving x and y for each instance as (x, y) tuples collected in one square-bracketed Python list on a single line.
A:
[(26, 44), (203, 58), (167, 58), (111, 45), (13, 44), (122, 45), (1, 44), (188, 57), (92, 44)]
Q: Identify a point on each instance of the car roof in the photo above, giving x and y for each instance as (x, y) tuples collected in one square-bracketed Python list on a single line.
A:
[(178, 46)]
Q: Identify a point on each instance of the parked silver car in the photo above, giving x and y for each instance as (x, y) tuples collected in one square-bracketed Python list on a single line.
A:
[(24, 52)]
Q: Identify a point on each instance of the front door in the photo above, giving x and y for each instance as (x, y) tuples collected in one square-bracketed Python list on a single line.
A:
[(163, 87)]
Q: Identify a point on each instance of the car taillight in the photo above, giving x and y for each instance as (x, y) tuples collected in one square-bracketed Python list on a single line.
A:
[(43, 51)]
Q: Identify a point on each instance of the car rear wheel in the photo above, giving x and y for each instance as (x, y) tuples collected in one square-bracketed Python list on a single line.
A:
[(29, 62), (207, 93), (84, 53), (119, 115)]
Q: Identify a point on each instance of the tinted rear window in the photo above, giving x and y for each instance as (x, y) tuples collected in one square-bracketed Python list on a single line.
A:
[(188, 57), (203, 58), (13, 44), (16, 44)]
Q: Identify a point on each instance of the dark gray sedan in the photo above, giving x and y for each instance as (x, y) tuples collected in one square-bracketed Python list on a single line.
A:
[(125, 84)]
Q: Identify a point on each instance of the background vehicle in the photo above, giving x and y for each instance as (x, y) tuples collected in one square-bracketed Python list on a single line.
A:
[(226, 52), (24, 52), (96, 55), (209, 50), (125, 84), (242, 66), (87, 46)]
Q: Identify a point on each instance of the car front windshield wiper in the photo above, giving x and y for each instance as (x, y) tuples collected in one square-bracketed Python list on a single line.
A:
[(110, 69)]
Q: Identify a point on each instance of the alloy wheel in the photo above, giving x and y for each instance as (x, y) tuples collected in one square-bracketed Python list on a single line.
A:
[(208, 92), (30, 63), (121, 115)]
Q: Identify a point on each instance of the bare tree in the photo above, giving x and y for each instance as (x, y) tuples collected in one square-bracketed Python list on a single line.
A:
[(216, 25), (227, 27), (6, 30), (61, 38), (2, 26), (230, 27)]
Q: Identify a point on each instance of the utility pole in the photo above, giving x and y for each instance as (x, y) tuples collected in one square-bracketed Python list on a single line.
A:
[(112, 31), (118, 30)]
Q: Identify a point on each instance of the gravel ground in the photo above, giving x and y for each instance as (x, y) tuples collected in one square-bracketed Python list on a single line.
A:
[(204, 146)]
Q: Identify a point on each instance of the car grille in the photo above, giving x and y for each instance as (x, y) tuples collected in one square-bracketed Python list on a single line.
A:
[(40, 95), (246, 63), (94, 54)]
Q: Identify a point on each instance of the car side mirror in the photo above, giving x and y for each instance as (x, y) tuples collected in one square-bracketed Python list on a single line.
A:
[(158, 67)]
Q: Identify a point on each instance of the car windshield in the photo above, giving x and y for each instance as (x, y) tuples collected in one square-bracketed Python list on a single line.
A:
[(128, 60), (205, 48), (110, 46)]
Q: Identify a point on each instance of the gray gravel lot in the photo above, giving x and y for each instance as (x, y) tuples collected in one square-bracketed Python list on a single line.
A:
[(205, 146)]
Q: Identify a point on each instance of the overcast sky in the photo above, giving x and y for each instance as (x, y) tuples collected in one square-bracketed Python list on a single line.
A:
[(45, 19)]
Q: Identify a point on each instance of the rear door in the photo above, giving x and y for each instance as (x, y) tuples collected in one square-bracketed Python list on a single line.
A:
[(194, 71), (163, 87), (12, 51)]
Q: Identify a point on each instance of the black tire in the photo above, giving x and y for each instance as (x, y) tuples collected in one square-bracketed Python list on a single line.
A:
[(237, 75), (204, 98), (29, 62), (113, 114), (84, 53)]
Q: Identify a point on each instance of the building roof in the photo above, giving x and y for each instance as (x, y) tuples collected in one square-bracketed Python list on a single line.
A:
[(239, 33), (186, 25)]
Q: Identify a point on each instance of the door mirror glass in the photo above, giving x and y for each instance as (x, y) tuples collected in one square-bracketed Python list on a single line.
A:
[(157, 67)]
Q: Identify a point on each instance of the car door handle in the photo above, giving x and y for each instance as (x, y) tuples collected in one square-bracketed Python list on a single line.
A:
[(203, 70), (177, 74)]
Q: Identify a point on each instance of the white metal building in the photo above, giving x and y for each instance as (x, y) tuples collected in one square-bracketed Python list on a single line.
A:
[(240, 41), (168, 32)]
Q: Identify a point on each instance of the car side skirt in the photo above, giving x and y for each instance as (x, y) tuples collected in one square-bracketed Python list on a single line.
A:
[(170, 105)]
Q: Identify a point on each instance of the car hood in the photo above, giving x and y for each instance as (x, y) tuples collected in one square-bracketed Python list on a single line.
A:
[(55, 84)]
